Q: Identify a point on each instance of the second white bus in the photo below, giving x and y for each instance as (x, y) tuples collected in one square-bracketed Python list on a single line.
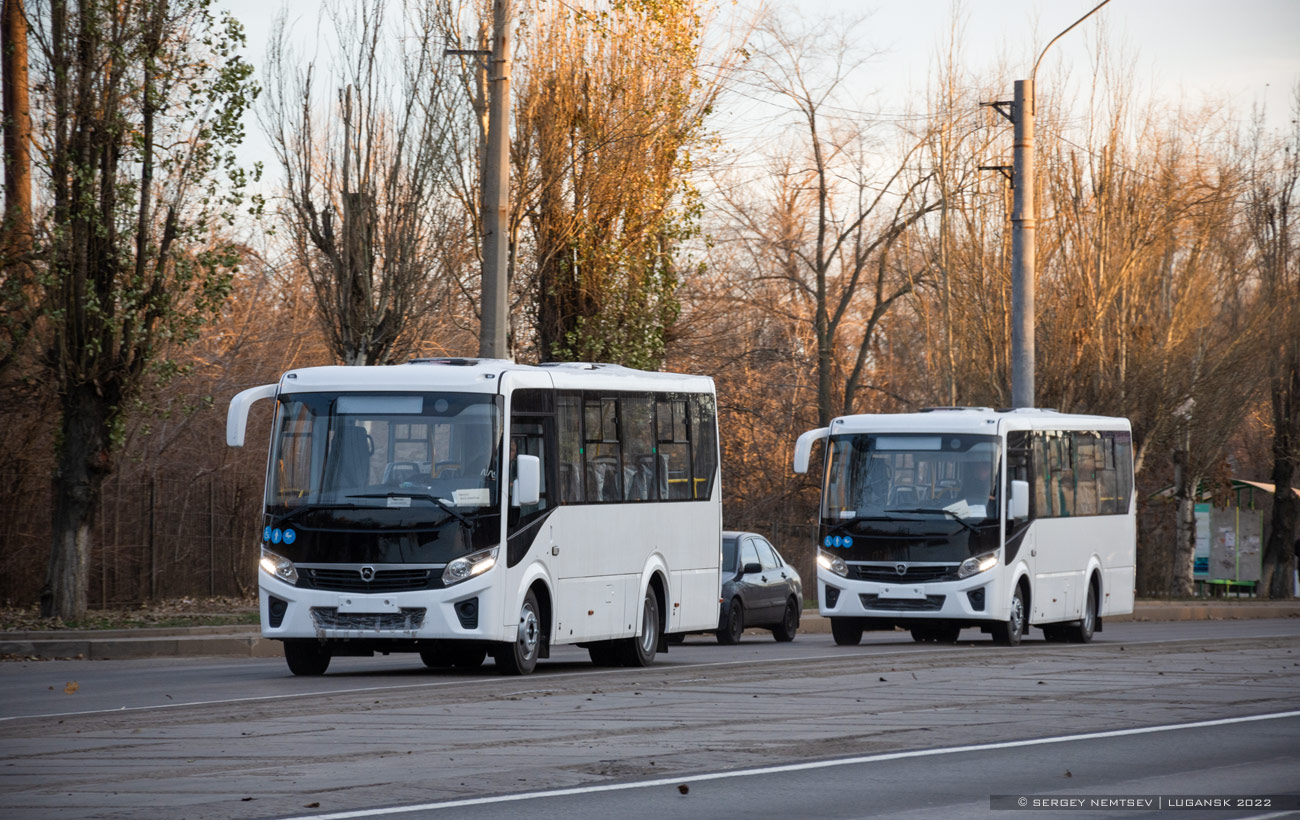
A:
[(968, 517)]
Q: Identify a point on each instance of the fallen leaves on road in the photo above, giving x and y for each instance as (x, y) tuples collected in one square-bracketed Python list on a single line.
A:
[(684, 789), (72, 687)]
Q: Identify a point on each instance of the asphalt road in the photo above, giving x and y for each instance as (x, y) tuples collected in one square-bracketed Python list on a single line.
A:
[(888, 728)]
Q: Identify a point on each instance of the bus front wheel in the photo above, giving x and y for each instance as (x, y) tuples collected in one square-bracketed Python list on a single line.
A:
[(846, 631), (1010, 631), (519, 657), (306, 656)]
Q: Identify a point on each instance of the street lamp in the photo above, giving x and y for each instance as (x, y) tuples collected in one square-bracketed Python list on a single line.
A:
[(1024, 221)]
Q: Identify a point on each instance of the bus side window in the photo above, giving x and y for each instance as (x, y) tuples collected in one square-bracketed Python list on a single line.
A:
[(568, 422), (704, 439), (674, 449), (604, 467), (639, 481)]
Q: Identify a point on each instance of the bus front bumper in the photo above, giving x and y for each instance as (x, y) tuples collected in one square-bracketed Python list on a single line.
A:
[(467, 611), (969, 600)]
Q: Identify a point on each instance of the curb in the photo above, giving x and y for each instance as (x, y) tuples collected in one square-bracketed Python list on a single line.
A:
[(246, 642)]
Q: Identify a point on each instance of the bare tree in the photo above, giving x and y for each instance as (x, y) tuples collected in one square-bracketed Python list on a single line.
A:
[(141, 103), (838, 211), (1272, 211), (365, 211)]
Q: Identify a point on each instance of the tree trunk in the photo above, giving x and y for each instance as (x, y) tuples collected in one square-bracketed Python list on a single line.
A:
[(1278, 562), (83, 465), (17, 131), (1180, 565)]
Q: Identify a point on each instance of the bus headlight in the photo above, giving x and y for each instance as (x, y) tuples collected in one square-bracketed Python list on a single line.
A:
[(467, 566), (976, 565), (833, 563), (279, 567)]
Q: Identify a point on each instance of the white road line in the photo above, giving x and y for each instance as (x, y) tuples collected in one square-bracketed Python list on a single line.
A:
[(798, 767), (931, 651)]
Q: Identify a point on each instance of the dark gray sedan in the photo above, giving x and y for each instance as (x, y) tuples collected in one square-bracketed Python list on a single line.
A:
[(759, 589)]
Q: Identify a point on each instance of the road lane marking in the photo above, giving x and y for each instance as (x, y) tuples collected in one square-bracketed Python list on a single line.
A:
[(930, 651), (796, 767)]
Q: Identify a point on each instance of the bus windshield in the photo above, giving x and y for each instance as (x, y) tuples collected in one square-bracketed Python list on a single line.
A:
[(903, 475), (436, 450)]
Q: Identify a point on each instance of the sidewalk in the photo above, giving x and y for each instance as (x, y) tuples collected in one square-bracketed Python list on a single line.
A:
[(247, 642)]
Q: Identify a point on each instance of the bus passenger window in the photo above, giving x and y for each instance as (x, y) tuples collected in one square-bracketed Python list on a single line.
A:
[(568, 420), (639, 481), (674, 450)]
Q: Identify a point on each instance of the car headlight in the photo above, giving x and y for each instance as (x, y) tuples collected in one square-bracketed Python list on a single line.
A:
[(279, 567), (976, 565), (833, 563), (467, 566)]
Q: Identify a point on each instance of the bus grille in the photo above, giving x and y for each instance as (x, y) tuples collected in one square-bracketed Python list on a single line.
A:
[(385, 580), (930, 604), (886, 574), (405, 621)]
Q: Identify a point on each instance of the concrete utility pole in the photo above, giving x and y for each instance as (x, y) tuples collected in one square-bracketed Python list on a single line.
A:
[(1024, 222), (1024, 257), (496, 190)]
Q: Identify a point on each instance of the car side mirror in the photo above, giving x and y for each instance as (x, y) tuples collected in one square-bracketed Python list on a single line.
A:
[(752, 569), (1018, 502), (528, 480)]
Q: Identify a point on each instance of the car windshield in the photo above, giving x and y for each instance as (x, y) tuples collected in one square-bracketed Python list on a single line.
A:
[(729, 555), (898, 476), (391, 450)]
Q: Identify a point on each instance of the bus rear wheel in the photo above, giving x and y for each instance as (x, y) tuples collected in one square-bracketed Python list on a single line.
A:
[(846, 631), (1082, 631), (306, 656), (519, 657), (641, 651)]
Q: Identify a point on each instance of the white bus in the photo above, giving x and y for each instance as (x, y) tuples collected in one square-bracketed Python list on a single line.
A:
[(461, 507), (958, 517)]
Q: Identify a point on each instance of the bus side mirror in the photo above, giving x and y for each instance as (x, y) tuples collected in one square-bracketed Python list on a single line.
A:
[(1018, 503), (803, 448), (528, 480), (237, 415)]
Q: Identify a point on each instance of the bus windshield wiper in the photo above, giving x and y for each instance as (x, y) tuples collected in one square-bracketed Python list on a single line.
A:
[(422, 496), (294, 513), (920, 510)]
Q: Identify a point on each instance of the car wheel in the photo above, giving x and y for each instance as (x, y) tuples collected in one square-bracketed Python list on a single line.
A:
[(640, 651), (734, 625), (846, 631), (1011, 631), (1082, 632), (789, 626), (519, 657), (306, 656)]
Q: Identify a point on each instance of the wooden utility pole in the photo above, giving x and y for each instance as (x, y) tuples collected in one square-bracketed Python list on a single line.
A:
[(496, 190)]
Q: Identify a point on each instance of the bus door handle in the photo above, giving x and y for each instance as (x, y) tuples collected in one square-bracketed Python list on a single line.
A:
[(555, 550), (1033, 553)]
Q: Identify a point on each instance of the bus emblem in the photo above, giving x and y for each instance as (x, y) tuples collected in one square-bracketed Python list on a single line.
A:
[(901, 569), (367, 574)]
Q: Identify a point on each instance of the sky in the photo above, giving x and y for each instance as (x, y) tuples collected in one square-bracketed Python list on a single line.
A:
[(1242, 52)]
